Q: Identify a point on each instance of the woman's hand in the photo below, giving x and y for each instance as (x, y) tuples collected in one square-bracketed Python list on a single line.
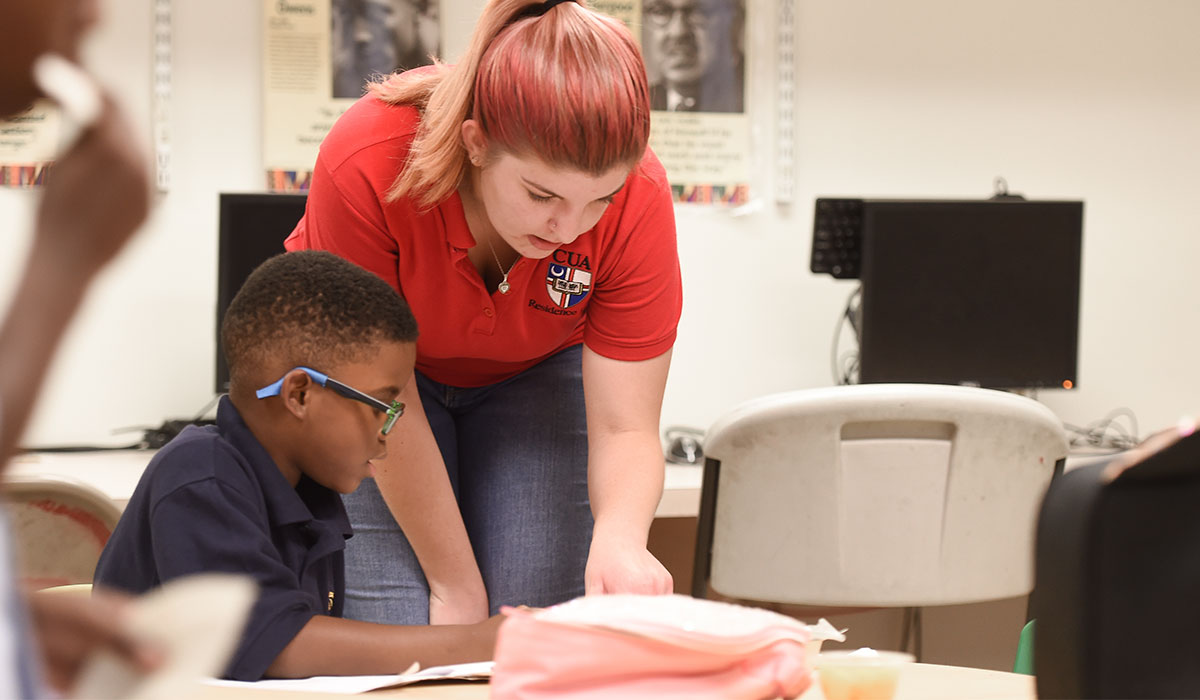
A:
[(457, 607), (617, 567)]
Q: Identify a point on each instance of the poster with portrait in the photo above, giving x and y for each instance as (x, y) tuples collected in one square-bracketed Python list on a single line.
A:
[(695, 53), (317, 58), (28, 143)]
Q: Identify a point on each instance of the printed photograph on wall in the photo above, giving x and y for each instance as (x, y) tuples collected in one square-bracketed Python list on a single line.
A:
[(696, 58), (378, 37), (28, 142), (695, 55), (318, 57)]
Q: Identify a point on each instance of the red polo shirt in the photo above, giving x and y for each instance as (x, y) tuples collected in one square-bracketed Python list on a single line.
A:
[(616, 287)]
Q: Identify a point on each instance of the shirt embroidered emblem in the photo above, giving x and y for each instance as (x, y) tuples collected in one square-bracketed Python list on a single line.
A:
[(567, 286)]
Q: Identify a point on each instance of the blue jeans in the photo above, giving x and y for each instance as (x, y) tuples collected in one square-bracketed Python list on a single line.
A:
[(516, 453)]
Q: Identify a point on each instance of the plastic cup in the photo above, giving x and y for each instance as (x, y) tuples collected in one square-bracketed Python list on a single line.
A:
[(860, 675)]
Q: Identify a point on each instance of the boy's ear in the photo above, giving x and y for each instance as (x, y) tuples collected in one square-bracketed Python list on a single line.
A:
[(295, 392)]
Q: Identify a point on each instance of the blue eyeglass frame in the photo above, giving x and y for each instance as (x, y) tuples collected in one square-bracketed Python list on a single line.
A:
[(392, 411)]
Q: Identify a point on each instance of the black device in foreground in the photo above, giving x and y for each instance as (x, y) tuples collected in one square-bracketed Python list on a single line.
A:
[(1118, 567), (974, 292), (252, 229)]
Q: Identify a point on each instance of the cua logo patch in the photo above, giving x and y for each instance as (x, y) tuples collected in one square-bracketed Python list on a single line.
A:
[(566, 285)]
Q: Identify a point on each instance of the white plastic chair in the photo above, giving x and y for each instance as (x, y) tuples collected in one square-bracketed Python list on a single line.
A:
[(60, 526), (881, 495)]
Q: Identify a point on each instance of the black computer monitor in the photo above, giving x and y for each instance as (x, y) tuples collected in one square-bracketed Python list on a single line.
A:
[(252, 229), (982, 293)]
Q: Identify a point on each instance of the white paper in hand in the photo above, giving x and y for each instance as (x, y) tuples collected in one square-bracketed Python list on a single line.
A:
[(69, 86), (196, 621), (73, 90)]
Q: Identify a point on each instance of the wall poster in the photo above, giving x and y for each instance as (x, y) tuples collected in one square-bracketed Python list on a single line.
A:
[(28, 144), (695, 53), (318, 53), (317, 57)]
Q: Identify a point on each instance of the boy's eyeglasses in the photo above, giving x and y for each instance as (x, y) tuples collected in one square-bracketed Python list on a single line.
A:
[(392, 411)]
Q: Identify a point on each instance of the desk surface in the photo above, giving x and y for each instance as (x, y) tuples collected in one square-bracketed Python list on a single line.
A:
[(917, 682), (116, 472)]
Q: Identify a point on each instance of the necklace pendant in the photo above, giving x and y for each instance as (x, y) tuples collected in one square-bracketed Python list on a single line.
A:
[(503, 287)]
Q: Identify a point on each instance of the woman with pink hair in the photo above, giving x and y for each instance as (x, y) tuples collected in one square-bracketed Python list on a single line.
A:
[(512, 200)]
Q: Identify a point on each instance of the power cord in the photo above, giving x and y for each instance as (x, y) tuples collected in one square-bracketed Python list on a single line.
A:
[(152, 438), (845, 367), (1108, 433)]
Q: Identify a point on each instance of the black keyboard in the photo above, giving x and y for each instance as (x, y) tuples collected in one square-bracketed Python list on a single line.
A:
[(837, 238)]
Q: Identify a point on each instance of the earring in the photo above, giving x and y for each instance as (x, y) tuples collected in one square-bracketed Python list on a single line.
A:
[(475, 161)]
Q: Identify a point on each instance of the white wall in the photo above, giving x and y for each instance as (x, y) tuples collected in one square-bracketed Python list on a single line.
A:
[(1066, 99), (1090, 99)]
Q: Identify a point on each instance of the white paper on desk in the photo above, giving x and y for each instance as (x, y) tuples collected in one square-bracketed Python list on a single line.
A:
[(480, 670)]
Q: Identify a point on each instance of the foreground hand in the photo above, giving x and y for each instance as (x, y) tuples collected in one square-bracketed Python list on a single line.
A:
[(615, 567), (1155, 443), (96, 195), (482, 641), (71, 627)]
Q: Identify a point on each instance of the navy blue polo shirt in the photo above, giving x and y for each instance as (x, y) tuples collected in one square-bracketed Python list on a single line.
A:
[(213, 500)]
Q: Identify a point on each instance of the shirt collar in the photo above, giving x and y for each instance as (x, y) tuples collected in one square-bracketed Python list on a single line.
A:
[(306, 502), (458, 232)]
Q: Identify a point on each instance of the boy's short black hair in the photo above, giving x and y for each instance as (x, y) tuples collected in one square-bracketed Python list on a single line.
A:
[(311, 308)]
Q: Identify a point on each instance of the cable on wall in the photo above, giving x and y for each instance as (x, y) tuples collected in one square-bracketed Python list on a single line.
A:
[(845, 366)]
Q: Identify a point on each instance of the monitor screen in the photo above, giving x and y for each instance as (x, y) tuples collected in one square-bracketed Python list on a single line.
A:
[(252, 229), (981, 293)]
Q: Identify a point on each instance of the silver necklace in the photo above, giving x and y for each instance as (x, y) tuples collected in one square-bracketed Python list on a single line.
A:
[(504, 286)]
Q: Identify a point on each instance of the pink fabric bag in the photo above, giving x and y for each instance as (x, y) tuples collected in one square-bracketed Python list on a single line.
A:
[(661, 647)]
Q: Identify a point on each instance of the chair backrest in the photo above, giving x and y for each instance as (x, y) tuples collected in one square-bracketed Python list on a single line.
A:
[(60, 526), (876, 495)]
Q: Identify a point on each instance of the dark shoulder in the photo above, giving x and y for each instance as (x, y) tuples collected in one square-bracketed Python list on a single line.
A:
[(199, 454)]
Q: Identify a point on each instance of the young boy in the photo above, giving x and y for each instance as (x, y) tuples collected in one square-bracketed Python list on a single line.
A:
[(318, 351)]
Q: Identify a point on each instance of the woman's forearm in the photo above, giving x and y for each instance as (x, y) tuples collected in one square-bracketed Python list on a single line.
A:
[(416, 488), (625, 483), (625, 471)]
